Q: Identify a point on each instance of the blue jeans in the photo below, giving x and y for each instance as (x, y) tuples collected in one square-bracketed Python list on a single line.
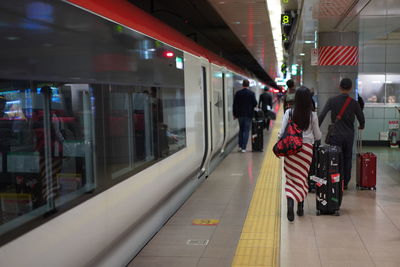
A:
[(244, 129)]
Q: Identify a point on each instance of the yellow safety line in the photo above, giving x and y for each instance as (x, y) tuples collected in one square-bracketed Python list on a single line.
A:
[(259, 242)]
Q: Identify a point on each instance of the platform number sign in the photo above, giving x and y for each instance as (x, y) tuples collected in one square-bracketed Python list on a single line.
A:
[(286, 19)]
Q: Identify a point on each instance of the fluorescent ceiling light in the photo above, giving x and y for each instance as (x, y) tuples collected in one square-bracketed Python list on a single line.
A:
[(376, 82), (389, 82), (302, 54), (274, 11), (309, 42)]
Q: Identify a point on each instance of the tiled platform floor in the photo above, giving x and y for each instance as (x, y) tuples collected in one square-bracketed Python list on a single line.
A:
[(366, 234), (225, 195)]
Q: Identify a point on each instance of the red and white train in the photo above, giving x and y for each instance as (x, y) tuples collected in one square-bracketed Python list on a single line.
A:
[(109, 120)]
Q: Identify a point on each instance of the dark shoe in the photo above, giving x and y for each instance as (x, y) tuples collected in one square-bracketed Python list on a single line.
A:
[(300, 208), (345, 187), (290, 212)]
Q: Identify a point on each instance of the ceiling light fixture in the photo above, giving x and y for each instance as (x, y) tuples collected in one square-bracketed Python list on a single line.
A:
[(309, 42), (274, 11), (302, 54), (12, 38)]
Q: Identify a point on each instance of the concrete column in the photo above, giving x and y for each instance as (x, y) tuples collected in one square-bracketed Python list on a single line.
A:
[(328, 77)]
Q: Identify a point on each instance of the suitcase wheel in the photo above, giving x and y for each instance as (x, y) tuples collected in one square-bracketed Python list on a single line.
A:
[(337, 213), (318, 212)]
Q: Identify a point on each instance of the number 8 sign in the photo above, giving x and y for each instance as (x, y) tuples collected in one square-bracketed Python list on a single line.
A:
[(286, 19)]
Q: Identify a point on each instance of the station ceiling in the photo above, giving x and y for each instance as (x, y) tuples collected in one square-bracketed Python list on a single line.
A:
[(240, 30), (210, 23), (375, 21)]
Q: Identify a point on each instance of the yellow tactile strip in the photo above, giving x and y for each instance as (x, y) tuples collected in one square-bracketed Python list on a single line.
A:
[(259, 242)]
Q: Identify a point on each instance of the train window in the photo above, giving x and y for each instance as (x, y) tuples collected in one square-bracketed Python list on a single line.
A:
[(89, 104), (46, 145), (150, 119)]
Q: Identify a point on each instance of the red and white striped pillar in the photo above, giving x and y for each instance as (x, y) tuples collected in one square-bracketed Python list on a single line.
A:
[(339, 55)]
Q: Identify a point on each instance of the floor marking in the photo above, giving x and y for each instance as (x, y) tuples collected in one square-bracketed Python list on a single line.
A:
[(237, 174), (259, 243), (197, 242), (205, 222)]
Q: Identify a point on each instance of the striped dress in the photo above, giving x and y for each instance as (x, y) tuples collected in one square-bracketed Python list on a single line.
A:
[(296, 168)]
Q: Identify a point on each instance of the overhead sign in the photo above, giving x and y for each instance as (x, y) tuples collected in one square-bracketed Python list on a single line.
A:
[(280, 81), (286, 19), (314, 56), (294, 69)]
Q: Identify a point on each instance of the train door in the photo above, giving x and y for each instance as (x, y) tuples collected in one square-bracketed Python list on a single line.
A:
[(230, 122), (225, 119), (204, 88), (207, 106), (217, 109)]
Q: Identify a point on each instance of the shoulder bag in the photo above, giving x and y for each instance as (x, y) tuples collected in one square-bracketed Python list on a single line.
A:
[(331, 126)]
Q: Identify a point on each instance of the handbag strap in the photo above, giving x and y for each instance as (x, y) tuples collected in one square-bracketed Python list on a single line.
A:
[(346, 103)]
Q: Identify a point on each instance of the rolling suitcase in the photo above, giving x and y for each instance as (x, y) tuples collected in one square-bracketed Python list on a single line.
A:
[(329, 179), (257, 137), (365, 167)]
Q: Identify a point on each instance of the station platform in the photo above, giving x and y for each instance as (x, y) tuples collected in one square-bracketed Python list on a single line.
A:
[(237, 217)]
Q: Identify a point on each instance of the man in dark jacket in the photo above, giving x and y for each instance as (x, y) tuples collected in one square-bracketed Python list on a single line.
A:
[(243, 109), (265, 104), (343, 132)]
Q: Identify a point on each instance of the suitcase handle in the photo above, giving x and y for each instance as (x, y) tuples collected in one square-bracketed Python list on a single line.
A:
[(359, 141)]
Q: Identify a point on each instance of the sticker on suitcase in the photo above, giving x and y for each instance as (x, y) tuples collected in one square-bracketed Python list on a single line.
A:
[(318, 180), (335, 178), (334, 199), (322, 201)]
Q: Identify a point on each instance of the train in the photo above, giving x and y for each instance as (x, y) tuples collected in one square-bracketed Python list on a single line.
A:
[(109, 120)]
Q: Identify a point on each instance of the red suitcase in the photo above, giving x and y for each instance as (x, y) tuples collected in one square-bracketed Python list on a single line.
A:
[(365, 168)]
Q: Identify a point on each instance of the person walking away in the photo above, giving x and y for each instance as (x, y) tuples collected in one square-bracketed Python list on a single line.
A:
[(343, 132), (297, 166), (243, 109), (288, 100), (265, 103)]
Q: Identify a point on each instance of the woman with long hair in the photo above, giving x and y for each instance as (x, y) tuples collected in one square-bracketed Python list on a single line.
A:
[(297, 166)]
